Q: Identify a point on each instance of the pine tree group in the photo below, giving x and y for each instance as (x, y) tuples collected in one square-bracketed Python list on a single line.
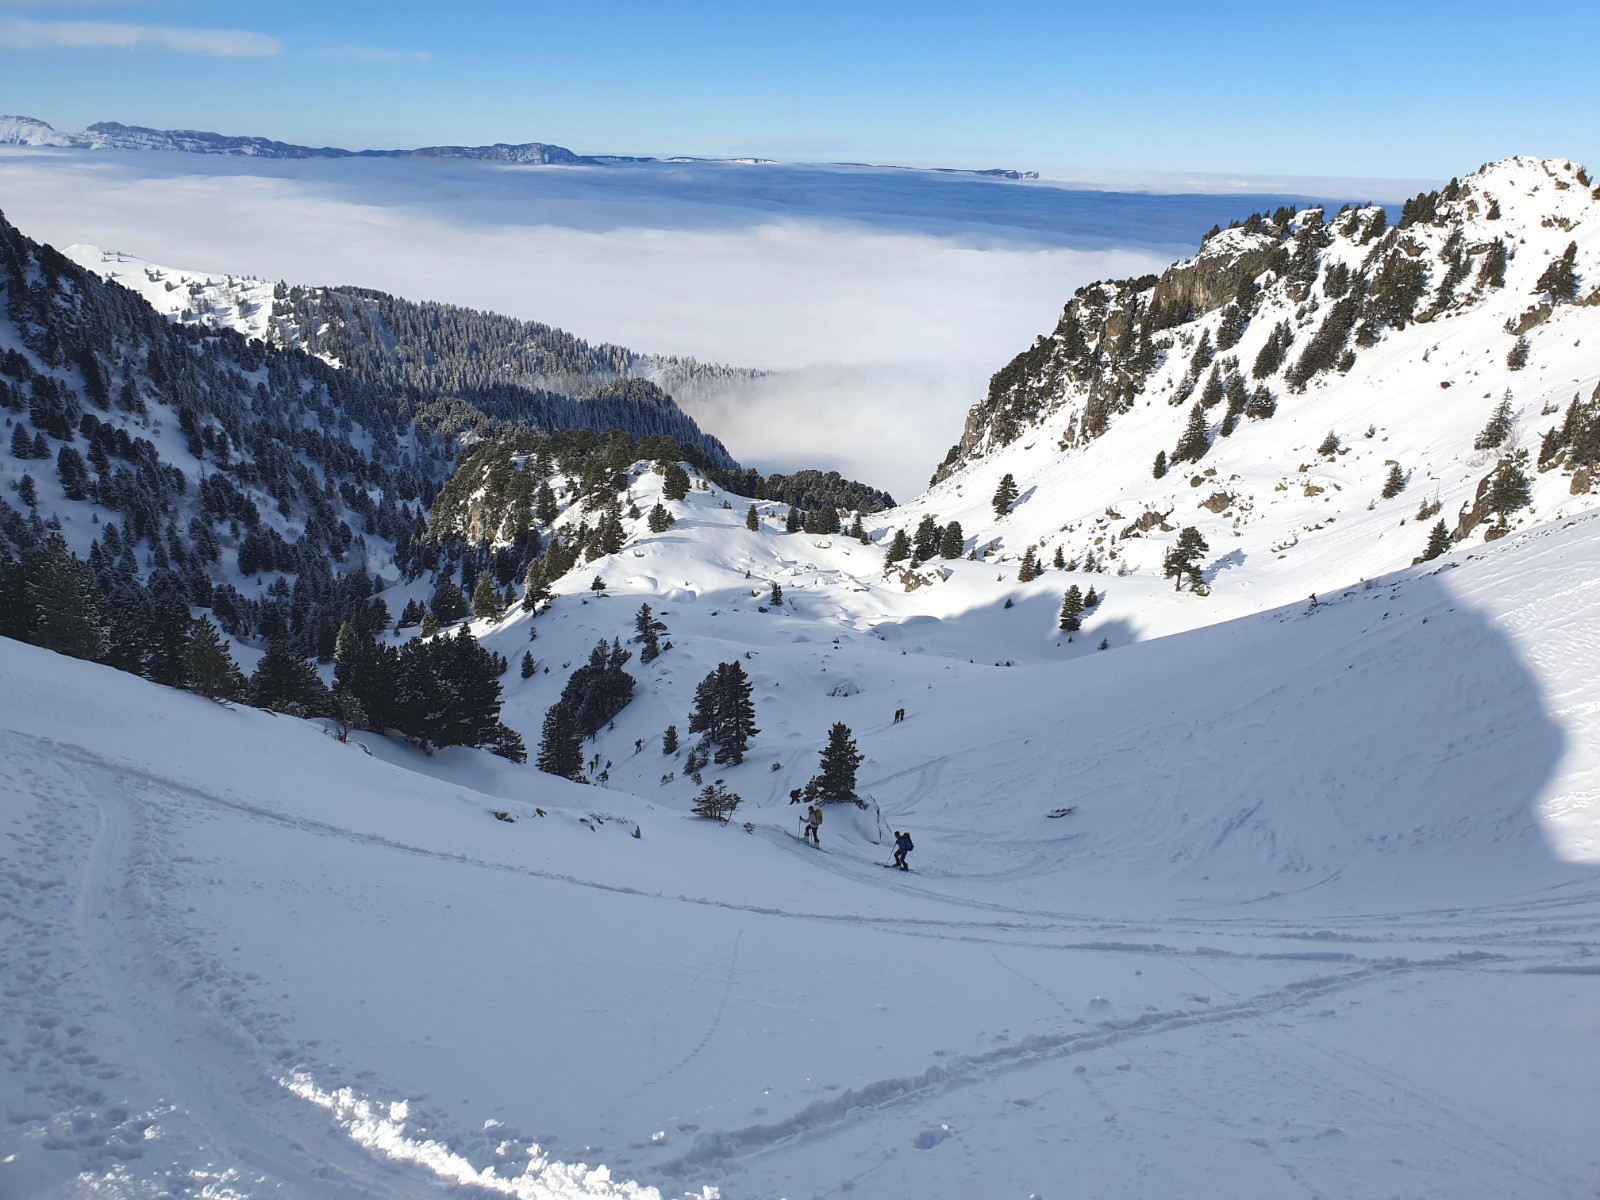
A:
[(286, 683), (724, 712), (715, 802), (647, 630), (952, 541)]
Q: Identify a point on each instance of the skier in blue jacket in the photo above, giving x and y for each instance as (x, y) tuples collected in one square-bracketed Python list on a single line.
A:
[(902, 847)]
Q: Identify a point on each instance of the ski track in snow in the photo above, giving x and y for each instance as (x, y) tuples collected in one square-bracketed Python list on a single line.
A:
[(210, 1054)]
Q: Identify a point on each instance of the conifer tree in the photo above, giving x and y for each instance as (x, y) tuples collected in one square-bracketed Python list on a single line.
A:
[(899, 547), (1232, 326), (776, 600), (1438, 542), (1029, 569), (528, 665), (1238, 399), (74, 475), (836, 780), (366, 671), (1560, 279), (1090, 599), (487, 602), (669, 740), (1071, 610), (1194, 443), (1182, 561), (1517, 356), (1509, 489), (600, 689), (544, 504), (675, 482), (1499, 427), (1492, 273), (208, 666), (792, 522), (925, 542), (1059, 562), (952, 541), (21, 442), (1005, 495), (715, 802), (284, 682), (609, 536), (447, 602), (1329, 445), (534, 591), (65, 609), (660, 519), (724, 711), (647, 630), (1160, 467), (560, 744), (752, 520), (598, 585), (1395, 482), (1262, 403)]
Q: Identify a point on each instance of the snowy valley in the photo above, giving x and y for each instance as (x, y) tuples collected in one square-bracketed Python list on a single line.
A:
[(1270, 868)]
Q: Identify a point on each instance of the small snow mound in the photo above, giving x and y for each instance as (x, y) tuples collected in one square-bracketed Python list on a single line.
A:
[(929, 1138)]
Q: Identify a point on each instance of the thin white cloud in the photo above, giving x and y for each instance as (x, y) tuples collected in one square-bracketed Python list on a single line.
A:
[(25, 33)]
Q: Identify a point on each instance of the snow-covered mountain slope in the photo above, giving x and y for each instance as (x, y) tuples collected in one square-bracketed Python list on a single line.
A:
[(193, 461), (467, 365), (1324, 912), (1078, 420)]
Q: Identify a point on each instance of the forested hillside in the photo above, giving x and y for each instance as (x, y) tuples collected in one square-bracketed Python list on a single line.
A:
[(457, 369)]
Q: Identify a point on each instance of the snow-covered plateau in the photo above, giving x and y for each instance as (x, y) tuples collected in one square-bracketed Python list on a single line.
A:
[(1284, 883)]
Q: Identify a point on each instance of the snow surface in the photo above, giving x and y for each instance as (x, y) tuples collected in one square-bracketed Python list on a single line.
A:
[(1323, 920)]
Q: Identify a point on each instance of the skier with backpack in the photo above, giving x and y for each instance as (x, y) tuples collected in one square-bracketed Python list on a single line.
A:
[(902, 847), (813, 820)]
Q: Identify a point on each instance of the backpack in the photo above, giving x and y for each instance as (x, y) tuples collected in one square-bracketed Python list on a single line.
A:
[(905, 843)]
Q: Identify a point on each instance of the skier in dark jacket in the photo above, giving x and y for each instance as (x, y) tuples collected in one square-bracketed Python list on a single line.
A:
[(902, 847)]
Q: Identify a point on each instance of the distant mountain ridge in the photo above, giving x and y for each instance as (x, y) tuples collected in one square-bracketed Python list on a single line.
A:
[(113, 135)]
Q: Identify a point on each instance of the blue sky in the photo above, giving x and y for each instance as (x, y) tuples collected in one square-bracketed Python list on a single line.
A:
[(1415, 90)]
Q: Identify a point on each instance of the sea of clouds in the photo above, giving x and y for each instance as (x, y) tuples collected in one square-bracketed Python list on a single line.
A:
[(880, 300)]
